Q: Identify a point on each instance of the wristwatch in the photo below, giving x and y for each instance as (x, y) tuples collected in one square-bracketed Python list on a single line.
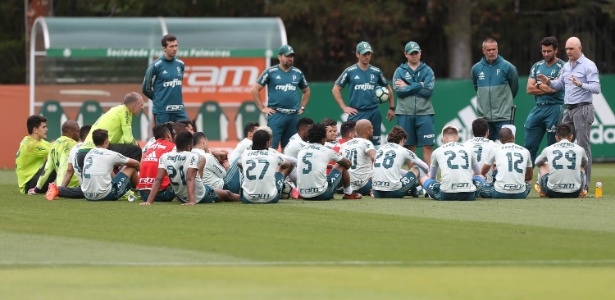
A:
[(302, 107), (392, 108)]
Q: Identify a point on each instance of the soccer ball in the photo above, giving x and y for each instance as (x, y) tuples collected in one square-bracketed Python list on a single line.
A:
[(382, 94), (286, 190)]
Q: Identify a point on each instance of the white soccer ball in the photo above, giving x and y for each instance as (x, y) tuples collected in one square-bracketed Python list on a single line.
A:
[(382, 94), (286, 190)]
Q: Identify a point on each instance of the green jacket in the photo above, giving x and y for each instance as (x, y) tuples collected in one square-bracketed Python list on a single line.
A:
[(414, 98), (496, 86)]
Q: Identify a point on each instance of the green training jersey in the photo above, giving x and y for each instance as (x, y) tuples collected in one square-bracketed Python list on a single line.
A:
[(283, 87), (362, 84), (118, 122), (553, 71), (30, 158), (57, 161)]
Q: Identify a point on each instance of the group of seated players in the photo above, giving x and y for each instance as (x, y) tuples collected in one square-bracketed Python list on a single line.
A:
[(315, 165)]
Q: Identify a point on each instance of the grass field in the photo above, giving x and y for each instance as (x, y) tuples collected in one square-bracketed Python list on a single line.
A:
[(366, 249)]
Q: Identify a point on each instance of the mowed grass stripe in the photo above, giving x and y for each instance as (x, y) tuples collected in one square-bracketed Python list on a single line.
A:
[(300, 232), (308, 283)]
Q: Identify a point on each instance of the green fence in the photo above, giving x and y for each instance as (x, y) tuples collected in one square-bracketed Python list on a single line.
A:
[(455, 103)]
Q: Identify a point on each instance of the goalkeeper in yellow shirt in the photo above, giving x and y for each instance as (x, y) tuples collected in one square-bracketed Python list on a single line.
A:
[(33, 151), (57, 160)]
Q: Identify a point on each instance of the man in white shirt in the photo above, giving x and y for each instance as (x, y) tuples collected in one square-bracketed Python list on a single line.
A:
[(460, 172), (263, 171), (98, 180), (297, 141), (331, 126), (361, 153), (514, 169), (562, 166), (182, 168), (390, 180), (214, 171), (481, 144), (232, 181), (312, 181)]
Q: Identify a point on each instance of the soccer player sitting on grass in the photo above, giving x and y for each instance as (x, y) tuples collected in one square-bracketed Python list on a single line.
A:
[(263, 171), (361, 153), (149, 165), (481, 144), (297, 142), (460, 172), (99, 183), (72, 171), (562, 166), (216, 162), (514, 169), (312, 181), (389, 179), (31, 155), (232, 181), (182, 168), (57, 160)]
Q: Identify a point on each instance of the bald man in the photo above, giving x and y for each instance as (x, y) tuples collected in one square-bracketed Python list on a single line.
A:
[(580, 79), (514, 166), (361, 153)]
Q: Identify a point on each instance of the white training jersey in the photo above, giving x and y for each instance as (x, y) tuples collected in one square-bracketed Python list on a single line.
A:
[(390, 158), (456, 163), (331, 145), (356, 150), (72, 159), (98, 172), (259, 168), (511, 161), (294, 145), (243, 145), (177, 164), (565, 160), (213, 172), (312, 169), (482, 147)]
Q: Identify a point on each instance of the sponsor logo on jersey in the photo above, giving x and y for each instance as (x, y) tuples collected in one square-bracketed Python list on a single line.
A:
[(174, 107), (481, 76), (278, 77), (357, 77), (172, 83), (285, 87), (164, 72), (152, 156), (365, 87)]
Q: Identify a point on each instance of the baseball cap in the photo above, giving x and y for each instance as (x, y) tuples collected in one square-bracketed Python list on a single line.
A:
[(450, 126), (511, 127), (286, 50), (412, 47), (364, 47)]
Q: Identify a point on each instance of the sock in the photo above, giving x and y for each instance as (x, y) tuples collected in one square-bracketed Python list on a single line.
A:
[(348, 190)]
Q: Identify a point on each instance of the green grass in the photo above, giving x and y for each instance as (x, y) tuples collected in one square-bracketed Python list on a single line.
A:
[(367, 249)]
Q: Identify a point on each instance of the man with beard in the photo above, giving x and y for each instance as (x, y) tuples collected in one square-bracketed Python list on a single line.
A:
[(283, 108), (547, 113)]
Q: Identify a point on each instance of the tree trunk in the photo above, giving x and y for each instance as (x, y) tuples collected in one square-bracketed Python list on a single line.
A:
[(458, 33)]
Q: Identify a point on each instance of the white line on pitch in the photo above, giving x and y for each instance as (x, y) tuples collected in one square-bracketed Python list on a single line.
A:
[(318, 263)]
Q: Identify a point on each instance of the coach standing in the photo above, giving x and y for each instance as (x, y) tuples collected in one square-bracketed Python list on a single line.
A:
[(163, 83), (496, 83), (579, 79), (284, 82)]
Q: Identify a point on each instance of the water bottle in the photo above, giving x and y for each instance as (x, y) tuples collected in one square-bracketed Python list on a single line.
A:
[(599, 189)]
